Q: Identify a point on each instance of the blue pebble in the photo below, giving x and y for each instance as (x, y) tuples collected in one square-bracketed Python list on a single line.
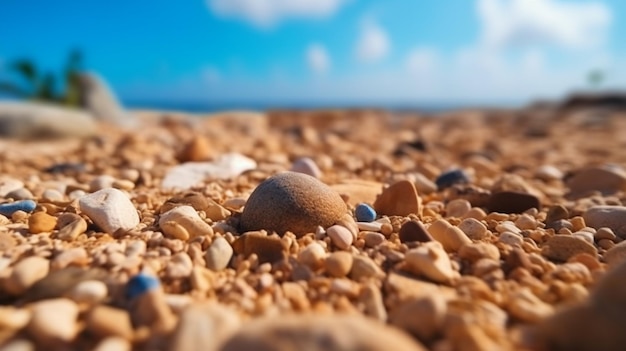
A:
[(364, 213), (24, 205), (448, 179), (140, 284)]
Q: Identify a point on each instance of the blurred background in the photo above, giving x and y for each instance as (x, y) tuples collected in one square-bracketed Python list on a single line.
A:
[(206, 55)]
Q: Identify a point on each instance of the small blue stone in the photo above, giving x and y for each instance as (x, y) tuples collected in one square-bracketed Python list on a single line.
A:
[(140, 284), (450, 178), (24, 205), (364, 213)]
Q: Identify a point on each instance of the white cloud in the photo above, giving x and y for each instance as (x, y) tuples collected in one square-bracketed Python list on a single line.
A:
[(265, 13), (317, 58), (511, 23), (373, 44)]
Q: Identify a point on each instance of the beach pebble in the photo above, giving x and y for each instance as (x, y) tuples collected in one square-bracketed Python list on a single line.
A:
[(267, 248), (562, 247), (110, 209), (414, 231), (293, 202), (306, 166), (451, 237), (512, 202), (40, 222), (101, 182), (195, 150), (141, 284), (52, 195), (12, 318), (179, 266), (616, 254), (105, 321), (113, 344), (527, 307), (431, 310), (90, 292), (54, 320), (339, 263), (72, 230), (431, 261), (74, 256), (450, 178), (612, 217), (320, 333), (9, 208), (364, 268), (357, 191), (364, 213), (606, 180), (8, 185), (373, 239), (458, 208), (423, 184), (473, 228), (20, 194), (312, 255), (26, 273), (18, 345), (204, 327), (218, 255), (216, 212), (190, 174), (184, 223), (58, 283), (548, 173), (340, 236), (369, 226), (399, 199), (475, 251), (511, 238)]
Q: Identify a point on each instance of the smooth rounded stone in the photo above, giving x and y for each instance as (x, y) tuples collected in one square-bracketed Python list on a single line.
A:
[(373, 239), (458, 208), (20, 194), (423, 184), (190, 174), (292, 202), (431, 310), (339, 263), (451, 237), (8, 209), (372, 298), (548, 173), (40, 222), (473, 228), (110, 209), (613, 217), (356, 191), (348, 222), (312, 255), (364, 267), (399, 199), (606, 180), (72, 230), (526, 222), (184, 223), (8, 185), (38, 120), (114, 344), (52, 195), (141, 284), (616, 254), (369, 226), (179, 266), (76, 194), (512, 202), (101, 101), (235, 203), (216, 212), (586, 236), (195, 150), (13, 318), (101, 182), (25, 273), (75, 256), (431, 261), (90, 292), (511, 238), (18, 345), (306, 166), (364, 213), (414, 231), (267, 248), (563, 247), (320, 333), (7, 243), (450, 178), (475, 251), (196, 200), (204, 327), (340, 236), (218, 254), (104, 321), (54, 320)]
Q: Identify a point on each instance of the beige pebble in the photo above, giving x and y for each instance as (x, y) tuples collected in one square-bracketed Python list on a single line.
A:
[(90, 292), (373, 239), (431, 310), (74, 256), (431, 261), (613, 217), (511, 238), (216, 212), (527, 307), (373, 300), (476, 213), (312, 255), (473, 228), (450, 237), (475, 251), (105, 321), (267, 248), (307, 166), (184, 217), (369, 226), (615, 255), (339, 263), (399, 199), (348, 221), (180, 266), (218, 255), (604, 233), (340, 236), (26, 273), (205, 327), (584, 235), (363, 268), (12, 318), (18, 345), (113, 344), (562, 247), (457, 208), (54, 320), (235, 203), (507, 226), (40, 222), (526, 222)]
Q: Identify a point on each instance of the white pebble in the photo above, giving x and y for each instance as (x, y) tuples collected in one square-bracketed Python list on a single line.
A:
[(110, 209), (340, 236)]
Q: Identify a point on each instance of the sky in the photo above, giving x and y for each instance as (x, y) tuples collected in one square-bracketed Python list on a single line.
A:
[(326, 52)]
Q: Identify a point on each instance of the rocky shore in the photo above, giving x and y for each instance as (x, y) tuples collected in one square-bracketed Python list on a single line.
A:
[(318, 230)]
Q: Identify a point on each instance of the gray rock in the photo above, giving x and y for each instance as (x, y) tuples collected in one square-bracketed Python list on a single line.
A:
[(100, 100), (29, 120)]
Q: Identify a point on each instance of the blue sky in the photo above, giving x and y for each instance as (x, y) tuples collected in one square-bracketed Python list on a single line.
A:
[(330, 52)]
